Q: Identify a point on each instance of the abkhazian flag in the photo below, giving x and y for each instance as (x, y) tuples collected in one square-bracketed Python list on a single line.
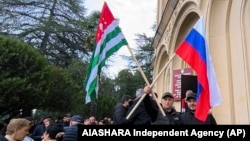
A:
[(109, 39), (194, 51)]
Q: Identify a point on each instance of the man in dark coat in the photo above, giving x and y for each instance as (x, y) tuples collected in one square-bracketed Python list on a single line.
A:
[(71, 131), (40, 128), (189, 118), (121, 109), (172, 116), (147, 110)]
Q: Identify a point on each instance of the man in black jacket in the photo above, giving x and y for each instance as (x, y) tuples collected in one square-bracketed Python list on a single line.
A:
[(146, 112), (189, 118), (40, 128), (121, 109), (172, 116), (70, 132)]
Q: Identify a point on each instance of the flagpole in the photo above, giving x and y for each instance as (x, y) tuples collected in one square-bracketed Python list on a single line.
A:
[(163, 69), (154, 81), (146, 80)]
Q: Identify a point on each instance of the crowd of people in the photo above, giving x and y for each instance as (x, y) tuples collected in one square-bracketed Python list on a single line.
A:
[(47, 129), (128, 111), (149, 113)]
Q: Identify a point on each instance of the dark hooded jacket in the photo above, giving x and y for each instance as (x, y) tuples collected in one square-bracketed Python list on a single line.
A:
[(145, 113), (188, 118), (119, 115)]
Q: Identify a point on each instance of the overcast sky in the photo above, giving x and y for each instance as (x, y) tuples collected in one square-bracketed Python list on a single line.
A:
[(136, 16)]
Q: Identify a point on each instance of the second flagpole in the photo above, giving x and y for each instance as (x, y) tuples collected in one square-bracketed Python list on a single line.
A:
[(154, 81), (146, 80)]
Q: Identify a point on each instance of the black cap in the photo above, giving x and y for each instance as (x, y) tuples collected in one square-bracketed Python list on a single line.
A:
[(191, 96), (167, 94)]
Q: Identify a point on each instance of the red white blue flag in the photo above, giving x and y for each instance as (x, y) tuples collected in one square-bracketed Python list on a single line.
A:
[(195, 52)]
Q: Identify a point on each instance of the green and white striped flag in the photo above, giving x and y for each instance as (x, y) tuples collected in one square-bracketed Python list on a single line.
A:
[(109, 39)]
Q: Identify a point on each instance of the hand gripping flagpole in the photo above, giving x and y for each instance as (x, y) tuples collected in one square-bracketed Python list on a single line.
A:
[(146, 80), (143, 96)]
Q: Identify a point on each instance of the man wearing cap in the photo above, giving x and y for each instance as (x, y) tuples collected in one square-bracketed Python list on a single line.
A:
[(70, 132), (189, 118), (172, 116)]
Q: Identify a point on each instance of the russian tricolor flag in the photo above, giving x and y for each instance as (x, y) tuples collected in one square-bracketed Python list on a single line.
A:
[(194, 51)]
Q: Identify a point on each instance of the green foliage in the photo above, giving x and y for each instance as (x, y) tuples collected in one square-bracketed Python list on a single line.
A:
[(139, 79), (23, 74), (127, 83), (105, 105), (28, 82), (62, 91), (59, 29), (76, 71), (107, 86)]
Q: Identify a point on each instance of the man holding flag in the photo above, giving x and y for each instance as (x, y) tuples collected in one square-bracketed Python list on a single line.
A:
[(109, 39), (194, 51)]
